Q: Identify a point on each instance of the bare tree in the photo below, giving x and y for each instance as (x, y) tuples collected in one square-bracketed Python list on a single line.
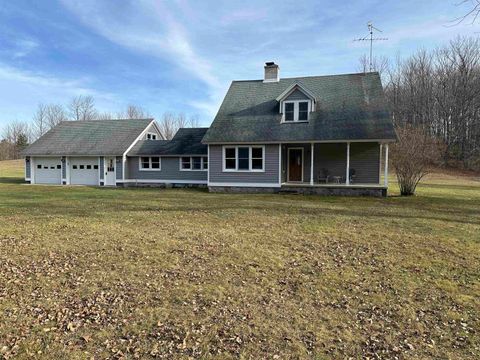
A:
[(440, 92), (168, 125), (413, 155), (105, 116), (54, 115), (136, 112), (194, 121), (15, 137), (380, 64), (40, 125), (473, 11), (82, 108)]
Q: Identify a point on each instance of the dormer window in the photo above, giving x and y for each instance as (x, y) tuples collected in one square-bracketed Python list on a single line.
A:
[(296, 104), (296, 111)]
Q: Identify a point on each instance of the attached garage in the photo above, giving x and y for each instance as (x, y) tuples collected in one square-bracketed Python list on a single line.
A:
[(84, 170), (47, 170)]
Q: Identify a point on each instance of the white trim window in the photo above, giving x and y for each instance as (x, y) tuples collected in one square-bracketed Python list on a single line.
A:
[(150, 163), (193, 163), (244, 158), (151, 136), (296, 111)]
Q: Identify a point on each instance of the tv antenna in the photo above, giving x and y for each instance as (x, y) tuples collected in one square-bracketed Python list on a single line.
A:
[(370, 38)]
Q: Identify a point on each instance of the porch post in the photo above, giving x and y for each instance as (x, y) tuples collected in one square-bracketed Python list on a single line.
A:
[(312, 151), (67, 170), (380, 165), (280, 165), (386, 166), (347, 176)]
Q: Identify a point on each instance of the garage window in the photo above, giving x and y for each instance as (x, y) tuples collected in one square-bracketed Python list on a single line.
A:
[(39, 166), (151, 163), (75, 167), (95, 167), (82, 167), (89, 167), (59, 167)]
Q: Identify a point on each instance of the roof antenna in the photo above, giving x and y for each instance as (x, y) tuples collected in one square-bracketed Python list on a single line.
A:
[(370, 38)]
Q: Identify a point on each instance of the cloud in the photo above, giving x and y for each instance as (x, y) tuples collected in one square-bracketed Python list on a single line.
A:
[(158, 33), (24, 47), (21, 91)]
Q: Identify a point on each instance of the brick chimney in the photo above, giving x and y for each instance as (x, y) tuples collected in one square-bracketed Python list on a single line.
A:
[(272, 72)]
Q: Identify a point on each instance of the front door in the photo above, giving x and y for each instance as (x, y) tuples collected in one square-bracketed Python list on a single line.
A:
[(295, 164), (109, 168)]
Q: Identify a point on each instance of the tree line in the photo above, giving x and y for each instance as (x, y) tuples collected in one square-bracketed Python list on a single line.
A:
[(17, 135), (438, 92)]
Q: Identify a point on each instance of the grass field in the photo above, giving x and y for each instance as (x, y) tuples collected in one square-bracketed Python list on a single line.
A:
[(138, 273)]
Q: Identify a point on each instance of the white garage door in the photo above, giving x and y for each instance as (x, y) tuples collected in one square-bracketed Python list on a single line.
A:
[(48, 170), (84, 171)]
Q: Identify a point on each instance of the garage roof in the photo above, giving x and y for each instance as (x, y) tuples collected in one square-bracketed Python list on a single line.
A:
[(95, 137), (187, 141)]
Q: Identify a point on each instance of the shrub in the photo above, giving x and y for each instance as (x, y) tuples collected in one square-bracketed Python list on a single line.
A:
[(413, 155)]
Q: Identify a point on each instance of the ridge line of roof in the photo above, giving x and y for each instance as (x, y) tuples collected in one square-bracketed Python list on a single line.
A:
[(312, 76)]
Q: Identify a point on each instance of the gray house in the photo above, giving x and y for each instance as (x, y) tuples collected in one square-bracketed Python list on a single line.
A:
[(116, 152), (317, 134)]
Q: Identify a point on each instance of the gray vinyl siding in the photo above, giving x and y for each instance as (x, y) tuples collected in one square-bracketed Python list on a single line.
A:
[(332, 157), (170, 171), (102, 167), (365, 158), (27, 167), (270, 175), (297, 95), (119, 168), (152, 129), (64, 168)]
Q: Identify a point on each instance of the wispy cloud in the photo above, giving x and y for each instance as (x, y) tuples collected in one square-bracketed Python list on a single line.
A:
[(164, 36), (24, 47)]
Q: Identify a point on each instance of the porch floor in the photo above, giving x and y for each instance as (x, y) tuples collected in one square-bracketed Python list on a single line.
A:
[(333, 185)]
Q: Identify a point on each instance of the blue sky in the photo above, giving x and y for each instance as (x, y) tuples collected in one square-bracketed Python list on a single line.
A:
[(181, 55)]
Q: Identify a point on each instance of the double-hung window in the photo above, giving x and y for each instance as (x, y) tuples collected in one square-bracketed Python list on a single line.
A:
[(193, 163), (150, 163), (243, 158), (295, 111)]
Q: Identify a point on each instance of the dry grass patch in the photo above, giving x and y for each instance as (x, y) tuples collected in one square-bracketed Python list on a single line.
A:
[(143, 273)]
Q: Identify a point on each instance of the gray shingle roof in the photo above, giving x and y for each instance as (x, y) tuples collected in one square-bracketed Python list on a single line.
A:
[(187, 141), (96, 137), (348, 107)]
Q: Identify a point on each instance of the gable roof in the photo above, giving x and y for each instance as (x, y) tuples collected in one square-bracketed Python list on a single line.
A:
[(187, 141), (92, 137), (347, 107)]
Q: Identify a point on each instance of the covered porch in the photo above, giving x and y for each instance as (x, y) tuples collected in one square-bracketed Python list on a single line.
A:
[(334, 165)]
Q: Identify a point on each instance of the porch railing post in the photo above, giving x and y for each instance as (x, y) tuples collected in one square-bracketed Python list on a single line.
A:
[(312, 152), (347, 175), (386, 166)]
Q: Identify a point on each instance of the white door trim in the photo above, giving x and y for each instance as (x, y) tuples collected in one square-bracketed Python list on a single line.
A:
[(105, 167), (288, 162)]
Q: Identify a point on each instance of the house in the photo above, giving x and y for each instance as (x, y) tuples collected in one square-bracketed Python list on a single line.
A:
[(116, 152), (315, 134)]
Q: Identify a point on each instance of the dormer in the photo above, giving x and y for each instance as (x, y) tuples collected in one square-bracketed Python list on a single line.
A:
[(296, 103)]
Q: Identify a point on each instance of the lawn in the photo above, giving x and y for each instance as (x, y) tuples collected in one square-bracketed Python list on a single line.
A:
[(138, 273)]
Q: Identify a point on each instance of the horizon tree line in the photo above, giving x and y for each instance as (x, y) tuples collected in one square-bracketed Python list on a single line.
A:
[(17, 135)]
